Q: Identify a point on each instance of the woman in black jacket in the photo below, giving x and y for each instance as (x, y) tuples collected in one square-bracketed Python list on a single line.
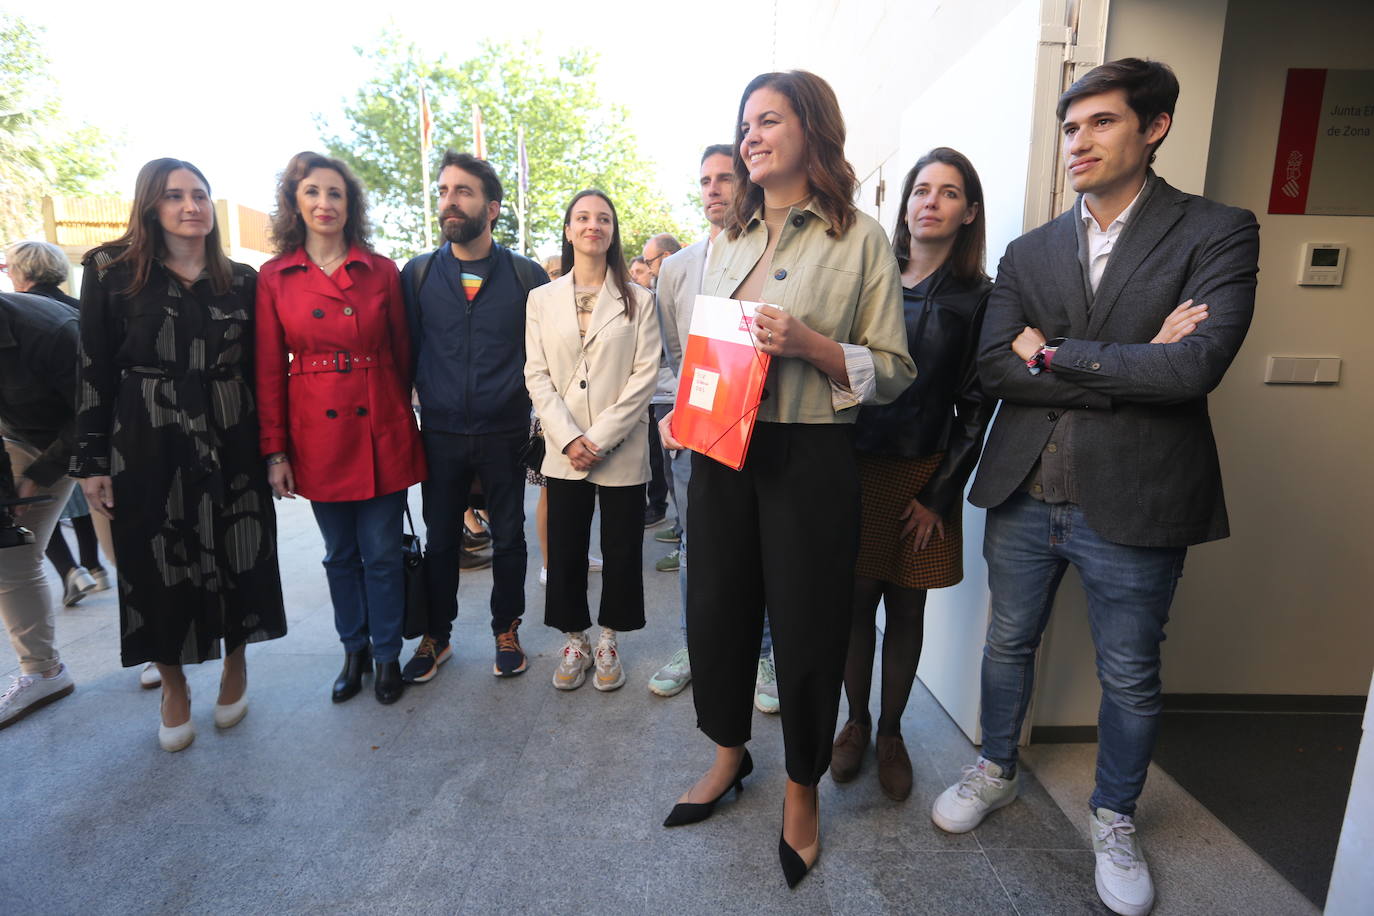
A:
[(916, 454)]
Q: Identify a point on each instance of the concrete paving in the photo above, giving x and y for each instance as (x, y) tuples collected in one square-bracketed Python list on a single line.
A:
[(476, 795)]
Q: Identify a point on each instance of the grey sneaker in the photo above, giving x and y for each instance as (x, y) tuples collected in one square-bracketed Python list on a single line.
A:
[(76, 584), (672, 678), (573, 663), (766, 687), (31, 692), (980, 790), (1123, 878), (610, 674)]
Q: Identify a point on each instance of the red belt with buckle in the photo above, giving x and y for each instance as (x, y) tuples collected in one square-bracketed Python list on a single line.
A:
[(336, 361)]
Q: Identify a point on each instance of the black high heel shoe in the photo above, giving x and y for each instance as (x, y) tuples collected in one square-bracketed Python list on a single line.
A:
[(684, 813), (794, 867), (350, 679)]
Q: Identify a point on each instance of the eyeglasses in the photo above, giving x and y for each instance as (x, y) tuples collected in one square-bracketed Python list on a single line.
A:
[(658, 257)]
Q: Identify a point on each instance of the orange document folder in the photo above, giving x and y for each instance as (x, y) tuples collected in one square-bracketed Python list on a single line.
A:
[(720, 382)]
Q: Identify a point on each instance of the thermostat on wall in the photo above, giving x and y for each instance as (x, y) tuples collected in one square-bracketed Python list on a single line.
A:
[(1323, 264)]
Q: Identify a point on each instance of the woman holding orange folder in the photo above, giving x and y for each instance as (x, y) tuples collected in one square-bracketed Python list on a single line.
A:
[(835, 334)]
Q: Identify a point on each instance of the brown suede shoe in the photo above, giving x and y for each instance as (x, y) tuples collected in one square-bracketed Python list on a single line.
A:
[(894, 767), (848, 754)]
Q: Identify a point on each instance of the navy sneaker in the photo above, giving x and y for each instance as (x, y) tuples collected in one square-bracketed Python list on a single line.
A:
[(510, 658), (424, 664)]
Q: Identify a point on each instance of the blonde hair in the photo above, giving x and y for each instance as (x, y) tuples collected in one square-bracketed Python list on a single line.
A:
[(38, 263)]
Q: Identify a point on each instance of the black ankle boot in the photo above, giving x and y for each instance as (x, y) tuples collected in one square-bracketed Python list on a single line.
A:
[(350, 679), (388, 684)]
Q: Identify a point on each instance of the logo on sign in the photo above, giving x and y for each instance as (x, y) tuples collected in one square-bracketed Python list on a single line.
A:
[(746, 323), (1293, 172)]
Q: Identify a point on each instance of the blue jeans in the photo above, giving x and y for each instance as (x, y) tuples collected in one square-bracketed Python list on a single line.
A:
[(682, 475), (1028, 546), (454, 460), (362, 561)]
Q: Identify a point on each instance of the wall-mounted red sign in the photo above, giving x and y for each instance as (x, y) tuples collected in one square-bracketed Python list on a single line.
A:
[(1322, 164)]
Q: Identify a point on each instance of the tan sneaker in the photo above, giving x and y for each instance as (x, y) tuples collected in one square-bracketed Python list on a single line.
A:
[(573, 663), (610, 675)]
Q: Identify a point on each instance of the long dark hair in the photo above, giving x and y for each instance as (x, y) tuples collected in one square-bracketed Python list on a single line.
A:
[(288, 228), (828, 174), (142, 241), (615, 257), (967, 259)]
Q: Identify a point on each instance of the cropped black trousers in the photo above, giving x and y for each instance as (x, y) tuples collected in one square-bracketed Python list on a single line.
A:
[(782, 533)]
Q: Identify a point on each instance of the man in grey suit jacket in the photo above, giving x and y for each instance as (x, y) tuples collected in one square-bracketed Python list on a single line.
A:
[(1106, 330), (679, 281)]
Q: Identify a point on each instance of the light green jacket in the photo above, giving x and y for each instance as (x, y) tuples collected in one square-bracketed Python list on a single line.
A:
[(848, 289)]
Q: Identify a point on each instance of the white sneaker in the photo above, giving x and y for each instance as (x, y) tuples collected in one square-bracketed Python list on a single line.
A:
[(1123, 878), (76, 584), (573, 663), (150, 677), (610, 674), (766, 688), (31, 692), (980, 790)]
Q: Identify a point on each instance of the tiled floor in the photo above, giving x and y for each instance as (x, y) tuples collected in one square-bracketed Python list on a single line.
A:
[(481, 795)]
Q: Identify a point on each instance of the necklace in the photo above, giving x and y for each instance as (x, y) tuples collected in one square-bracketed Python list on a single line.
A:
[(327, 265)]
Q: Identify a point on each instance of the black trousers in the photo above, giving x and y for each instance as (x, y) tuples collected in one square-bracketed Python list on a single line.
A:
[(571, 504), (781, 533), (658, 465)]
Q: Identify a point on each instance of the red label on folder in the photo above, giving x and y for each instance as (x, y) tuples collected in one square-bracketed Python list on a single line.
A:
[(721, 381)]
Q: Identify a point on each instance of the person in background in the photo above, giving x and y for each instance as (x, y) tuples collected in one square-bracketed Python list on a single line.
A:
[(38, 347), (640, 273), (679, 281), (915, 455), (465, 303), (40, 268), (781, 533), (592, 350), (333, 356), (167, 444)]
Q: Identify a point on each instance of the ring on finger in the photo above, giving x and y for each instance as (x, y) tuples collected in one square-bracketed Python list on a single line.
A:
[(770, 337)]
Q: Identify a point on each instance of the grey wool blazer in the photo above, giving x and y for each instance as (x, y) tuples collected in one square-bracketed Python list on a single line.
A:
[(1145, 463)]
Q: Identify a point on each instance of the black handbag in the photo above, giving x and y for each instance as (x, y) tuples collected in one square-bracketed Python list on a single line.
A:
[(532, 452), (417, 589)]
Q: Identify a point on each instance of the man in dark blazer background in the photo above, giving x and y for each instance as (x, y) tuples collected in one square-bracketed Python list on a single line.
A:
[(1106, 330)]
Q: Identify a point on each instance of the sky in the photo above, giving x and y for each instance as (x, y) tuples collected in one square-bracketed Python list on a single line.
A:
[(233, 87)]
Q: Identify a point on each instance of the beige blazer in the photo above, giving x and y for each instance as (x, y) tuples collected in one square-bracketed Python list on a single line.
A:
[(599, 387)]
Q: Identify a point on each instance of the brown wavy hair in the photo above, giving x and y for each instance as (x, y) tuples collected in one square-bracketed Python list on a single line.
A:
[(615, 255), (829, 176), (288, 228), (142, 241), (968, 257)]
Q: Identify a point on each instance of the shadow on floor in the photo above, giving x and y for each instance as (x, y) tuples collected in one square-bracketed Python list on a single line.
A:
[(1279, 781)]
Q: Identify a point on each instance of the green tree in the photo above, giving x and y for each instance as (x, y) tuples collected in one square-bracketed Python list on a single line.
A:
[(39, 154), (572, 139)]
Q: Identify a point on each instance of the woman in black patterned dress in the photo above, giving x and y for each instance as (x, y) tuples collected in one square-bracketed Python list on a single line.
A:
[(167, 444)]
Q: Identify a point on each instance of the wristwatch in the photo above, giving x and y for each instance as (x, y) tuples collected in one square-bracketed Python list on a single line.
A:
[(1044, 356)]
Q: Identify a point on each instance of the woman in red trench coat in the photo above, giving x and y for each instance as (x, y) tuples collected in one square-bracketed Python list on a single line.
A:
[(336, 421)]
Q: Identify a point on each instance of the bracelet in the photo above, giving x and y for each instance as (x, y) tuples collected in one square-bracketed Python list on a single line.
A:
[(278, 458)]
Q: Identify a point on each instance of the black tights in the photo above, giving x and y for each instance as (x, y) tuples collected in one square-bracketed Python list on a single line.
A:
[(61, 555), (906, 615)]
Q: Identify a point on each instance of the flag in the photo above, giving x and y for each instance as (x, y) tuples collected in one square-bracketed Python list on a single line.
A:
[(479, 140), (426, 123), (524, 162)]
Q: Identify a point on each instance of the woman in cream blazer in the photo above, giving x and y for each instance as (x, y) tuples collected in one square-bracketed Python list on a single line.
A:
[(591, 365)]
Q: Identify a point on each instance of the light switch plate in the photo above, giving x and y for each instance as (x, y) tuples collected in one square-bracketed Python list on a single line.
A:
[(1303, 370)]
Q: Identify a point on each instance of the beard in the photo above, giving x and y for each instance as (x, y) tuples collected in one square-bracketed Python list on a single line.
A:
[(464, 230)]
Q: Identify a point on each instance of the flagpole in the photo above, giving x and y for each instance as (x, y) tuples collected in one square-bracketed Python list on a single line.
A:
[(424, 166), (522, 179)]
